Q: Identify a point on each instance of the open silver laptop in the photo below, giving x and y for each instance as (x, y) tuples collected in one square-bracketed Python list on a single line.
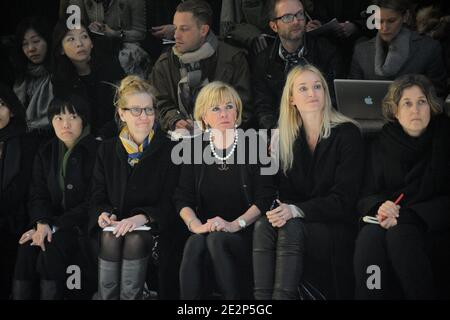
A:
[(361, 99)]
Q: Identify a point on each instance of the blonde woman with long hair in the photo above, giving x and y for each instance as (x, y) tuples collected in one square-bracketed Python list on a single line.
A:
[(321, 157)]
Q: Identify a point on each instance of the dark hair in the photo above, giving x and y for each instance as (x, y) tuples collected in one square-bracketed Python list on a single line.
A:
[(395, 93), (42, 28), (401, 6), (14, 105), (74, 104), (201, 10), (270, 6), (63, 69)]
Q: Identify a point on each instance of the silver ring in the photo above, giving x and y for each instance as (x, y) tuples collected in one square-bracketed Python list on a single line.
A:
[(216, 224), (27, 235)]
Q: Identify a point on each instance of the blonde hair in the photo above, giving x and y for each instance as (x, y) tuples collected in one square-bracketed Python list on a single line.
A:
[(395, 93), (290, 120), (128, 86), (213, 94)]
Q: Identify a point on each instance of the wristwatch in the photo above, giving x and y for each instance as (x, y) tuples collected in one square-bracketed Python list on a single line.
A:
[(242, 223)]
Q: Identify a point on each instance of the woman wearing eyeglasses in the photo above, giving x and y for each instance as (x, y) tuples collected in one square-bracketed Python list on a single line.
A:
[(133, 182)]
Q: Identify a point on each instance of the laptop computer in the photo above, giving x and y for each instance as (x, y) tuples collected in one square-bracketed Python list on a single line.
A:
[(361, 99)]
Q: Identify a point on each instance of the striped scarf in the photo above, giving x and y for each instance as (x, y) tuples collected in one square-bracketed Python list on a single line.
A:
[(134, 151)]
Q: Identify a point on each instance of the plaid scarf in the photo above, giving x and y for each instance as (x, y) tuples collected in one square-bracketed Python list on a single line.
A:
[(134, 151)]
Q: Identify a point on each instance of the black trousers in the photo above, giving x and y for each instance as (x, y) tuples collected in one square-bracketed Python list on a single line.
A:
[(32, 263), (400, 254), (8, 248), (278, 255), (228, 255)]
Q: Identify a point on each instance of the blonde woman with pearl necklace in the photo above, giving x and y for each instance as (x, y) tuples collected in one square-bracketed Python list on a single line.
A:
[(220, 201)]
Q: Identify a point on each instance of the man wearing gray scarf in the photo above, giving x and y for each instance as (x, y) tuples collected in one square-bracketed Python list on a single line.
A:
[(196, 59)]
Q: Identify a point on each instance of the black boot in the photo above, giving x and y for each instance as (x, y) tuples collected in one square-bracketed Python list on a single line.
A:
[(51, 290), (22, 290), (264, 243), (108, 280), (134, 273)]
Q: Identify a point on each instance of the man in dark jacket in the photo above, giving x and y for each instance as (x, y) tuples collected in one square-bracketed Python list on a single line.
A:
[(196, 59), (292, 47)]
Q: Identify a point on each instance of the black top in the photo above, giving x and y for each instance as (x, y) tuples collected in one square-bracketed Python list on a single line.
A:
[(325, 184), (220, 191), (203, 187)]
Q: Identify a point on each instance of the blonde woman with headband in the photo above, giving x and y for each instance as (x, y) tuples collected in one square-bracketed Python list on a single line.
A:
[(134, 179), (310, 225), (220, 200)]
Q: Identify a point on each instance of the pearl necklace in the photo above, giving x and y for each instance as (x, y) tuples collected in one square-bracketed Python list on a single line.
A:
[(223, 159)]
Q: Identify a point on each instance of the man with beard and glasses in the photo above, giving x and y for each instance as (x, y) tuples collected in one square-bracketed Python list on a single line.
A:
[(292, 47)]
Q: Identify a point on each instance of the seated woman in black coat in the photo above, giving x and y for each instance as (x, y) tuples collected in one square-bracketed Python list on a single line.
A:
[(58, 201), (17, 152), (78, 67), (321, 155), (133, 181), (411, 157), (220, 198)]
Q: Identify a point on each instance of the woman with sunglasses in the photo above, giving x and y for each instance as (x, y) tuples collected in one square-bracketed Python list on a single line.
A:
[(133, 181)]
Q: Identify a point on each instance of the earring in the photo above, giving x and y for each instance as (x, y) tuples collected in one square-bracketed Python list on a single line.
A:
[(207, 127)]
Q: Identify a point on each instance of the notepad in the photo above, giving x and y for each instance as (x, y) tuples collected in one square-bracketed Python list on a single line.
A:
[(141, 228)]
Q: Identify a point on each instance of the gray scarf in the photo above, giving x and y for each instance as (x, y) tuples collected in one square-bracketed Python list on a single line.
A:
[(36, 93), (191, 73), (389, 64)]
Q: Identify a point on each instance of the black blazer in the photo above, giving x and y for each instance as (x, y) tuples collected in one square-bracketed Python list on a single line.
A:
[(16, 164), (68, 208), (146, 188), (325, 185)]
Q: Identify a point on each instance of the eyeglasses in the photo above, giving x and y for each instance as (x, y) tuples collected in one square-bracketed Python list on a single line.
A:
[(136, 111), (289, 17)]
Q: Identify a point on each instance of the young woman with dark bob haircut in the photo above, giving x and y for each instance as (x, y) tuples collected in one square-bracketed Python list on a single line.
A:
[(58, 202)]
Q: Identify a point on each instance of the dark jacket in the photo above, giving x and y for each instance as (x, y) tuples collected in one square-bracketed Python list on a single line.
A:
[(147, 188), (98, 89), (325, 185), (16, 162), (62, 209), (269, 76), (228, 64), (417, 167), (258, 189), (425, 57)]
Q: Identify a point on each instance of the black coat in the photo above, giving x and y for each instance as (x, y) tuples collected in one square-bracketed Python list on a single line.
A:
[(62, 209), (417, 167), (325, 185), (269, 76), (16, 163), (147, 188)]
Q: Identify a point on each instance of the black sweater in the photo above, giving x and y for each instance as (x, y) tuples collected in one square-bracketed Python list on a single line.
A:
[(253, 187), (325, 184), (418, 167)]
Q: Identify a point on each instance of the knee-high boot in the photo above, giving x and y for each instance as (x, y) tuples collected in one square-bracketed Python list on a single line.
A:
[(22, 290), (108, 280), (133, 278)]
